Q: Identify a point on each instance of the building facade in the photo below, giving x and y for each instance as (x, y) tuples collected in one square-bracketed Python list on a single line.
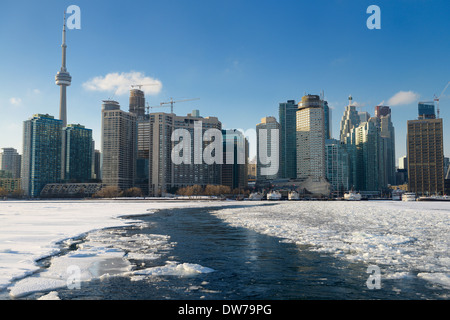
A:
[(235, 159), (10, 161), (119, 146), (78, 152), (337, 167), (42, 153), (425, 156), (288, 141), (350, 120), (310, 138), (387, 134), (165, 176)]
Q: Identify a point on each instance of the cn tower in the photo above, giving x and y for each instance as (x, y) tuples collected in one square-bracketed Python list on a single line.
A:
[(63, 79)]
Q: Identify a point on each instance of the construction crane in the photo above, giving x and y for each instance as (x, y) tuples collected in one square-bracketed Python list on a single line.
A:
[(436, 99), (143, 85), (171, 103)]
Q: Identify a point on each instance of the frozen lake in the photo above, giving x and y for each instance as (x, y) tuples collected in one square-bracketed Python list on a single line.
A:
[(91, 241)]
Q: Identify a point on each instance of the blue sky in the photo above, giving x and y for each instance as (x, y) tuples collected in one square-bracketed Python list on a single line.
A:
[(240, 57)]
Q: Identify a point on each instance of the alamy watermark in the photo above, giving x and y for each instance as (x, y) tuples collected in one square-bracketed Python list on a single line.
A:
[(374, 280), (374, 21), (74, 18)]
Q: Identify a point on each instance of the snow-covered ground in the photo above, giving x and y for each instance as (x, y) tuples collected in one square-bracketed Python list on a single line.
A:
[(32, 230), (404, 239)]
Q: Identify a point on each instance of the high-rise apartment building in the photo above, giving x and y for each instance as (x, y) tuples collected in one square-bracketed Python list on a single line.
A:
[(387, 134), (337, 167), (138, 107), (288, 140), (164, 175), (42, 151), (268, 150), (425, 156), (310, 138), (10, 161), (235, 159), (119, 146), (369, 159), (77, 153)]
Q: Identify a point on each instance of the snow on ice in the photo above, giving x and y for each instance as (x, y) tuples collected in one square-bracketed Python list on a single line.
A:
[(402, 238), (405, 239)]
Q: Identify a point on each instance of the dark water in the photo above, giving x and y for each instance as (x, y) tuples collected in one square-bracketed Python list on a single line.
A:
[(248, 266)]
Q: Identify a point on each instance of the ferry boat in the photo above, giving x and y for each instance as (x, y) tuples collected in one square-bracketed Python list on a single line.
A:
[(255, 196), (409, 196), (434, 198), (293, 195), (274, 195), (397, 195), (352, 196)]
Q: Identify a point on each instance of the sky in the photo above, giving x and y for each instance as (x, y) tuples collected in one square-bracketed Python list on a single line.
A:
[(239, 58)]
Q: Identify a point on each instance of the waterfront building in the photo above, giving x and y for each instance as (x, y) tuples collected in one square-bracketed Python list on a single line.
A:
[(387, 134), (337, 166), (288, 140), (10, 161), (235, 159), (119, 146), (137, 107), (42, 152), (164, 175), (425, 155), (350, 120), (310, 138), (77, 153)]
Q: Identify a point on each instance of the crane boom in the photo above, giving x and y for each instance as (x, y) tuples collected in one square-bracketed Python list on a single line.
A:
[(438, 98), (171, 103)]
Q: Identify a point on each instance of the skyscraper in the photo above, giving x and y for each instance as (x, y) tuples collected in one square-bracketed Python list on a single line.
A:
[(425, 156), (119, 146), (235, 159), (337, 167), (310, 138), (350, 120), (288, 141), (64, 80), (137, 107), (137, 103), (268, 150), (164, 175), (387, 134), (41, 161), (327, 113), (369, 160), (10, 161), (78, 152)]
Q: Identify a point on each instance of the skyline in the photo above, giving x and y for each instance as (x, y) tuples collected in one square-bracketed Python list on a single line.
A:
[(236, 57)]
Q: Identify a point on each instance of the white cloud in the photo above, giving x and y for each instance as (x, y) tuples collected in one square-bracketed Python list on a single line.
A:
[(120, 83), (15, 101), (403, 97)]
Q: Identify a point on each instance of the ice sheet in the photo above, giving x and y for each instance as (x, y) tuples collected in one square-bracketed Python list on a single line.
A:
[(400, 237), (32, 230)]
